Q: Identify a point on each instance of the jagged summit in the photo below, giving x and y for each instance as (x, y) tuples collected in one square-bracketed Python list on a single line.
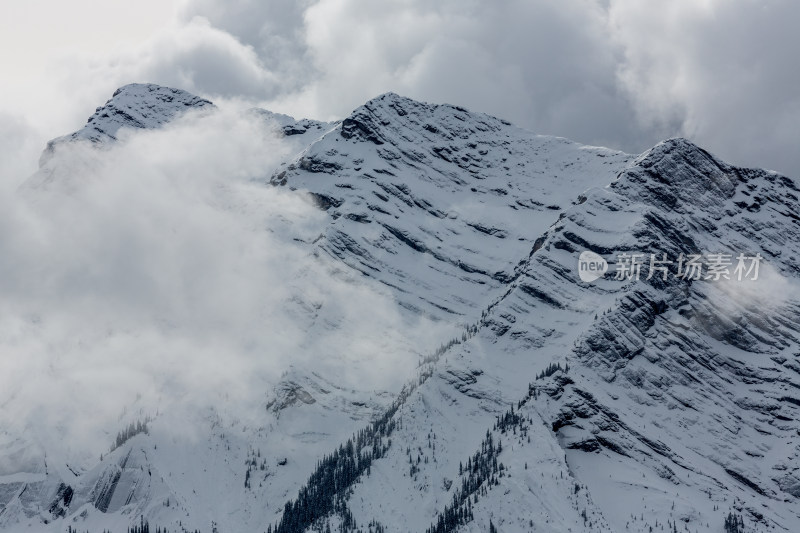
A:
[(375, 120), (398, 103), (137, 105), (679, 174)]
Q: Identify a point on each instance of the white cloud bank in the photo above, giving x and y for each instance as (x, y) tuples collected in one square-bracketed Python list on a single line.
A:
[(724, 72), (159, 269)]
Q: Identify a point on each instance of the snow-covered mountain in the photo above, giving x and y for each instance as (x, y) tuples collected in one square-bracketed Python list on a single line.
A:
[(548, 403), (134, 106)]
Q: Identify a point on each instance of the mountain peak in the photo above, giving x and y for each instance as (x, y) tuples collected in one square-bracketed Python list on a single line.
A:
[(367, 121), (391, 100), (669, 149), (388, 112), (679, 174), (136, 105)]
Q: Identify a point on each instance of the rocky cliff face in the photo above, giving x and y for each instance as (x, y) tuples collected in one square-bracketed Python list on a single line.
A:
[(555, 405), (680, 402)]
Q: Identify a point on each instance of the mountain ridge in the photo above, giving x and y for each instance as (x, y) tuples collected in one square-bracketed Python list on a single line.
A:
[(473, 222)]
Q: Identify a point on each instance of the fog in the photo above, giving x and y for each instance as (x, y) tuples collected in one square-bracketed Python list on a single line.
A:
[(164, 272)]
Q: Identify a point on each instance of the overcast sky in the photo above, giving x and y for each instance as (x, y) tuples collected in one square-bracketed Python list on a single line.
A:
[(620, 73)]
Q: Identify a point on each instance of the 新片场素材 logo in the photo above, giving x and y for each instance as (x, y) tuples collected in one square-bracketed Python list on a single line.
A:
[(631, 266), (591, 266)]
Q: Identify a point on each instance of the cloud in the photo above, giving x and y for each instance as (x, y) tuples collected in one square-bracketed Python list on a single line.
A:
[(548, 67), (20, 145), (162, 273), (619, 73), (193, 56), (721, 71), (273, 28)]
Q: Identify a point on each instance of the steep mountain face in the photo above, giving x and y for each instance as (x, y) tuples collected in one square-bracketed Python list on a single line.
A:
[(680, 402), (551, 405), (438, 203)]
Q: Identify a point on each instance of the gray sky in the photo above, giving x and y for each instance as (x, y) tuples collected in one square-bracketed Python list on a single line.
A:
[(620, 73)]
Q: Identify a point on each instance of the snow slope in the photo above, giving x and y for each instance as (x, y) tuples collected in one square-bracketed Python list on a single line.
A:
[(680, 402)]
